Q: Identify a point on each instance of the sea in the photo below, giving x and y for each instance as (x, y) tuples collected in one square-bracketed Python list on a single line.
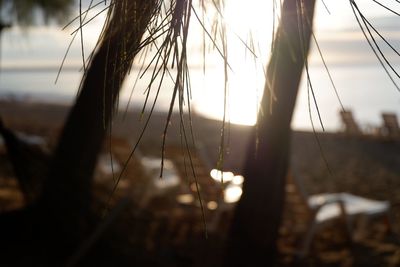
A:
[(30, 60), (365, 90)]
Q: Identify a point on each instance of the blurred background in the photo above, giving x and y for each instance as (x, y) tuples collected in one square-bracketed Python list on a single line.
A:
[(31, 57)]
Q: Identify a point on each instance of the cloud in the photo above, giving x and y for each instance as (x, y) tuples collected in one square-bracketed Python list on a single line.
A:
[(348, 45)]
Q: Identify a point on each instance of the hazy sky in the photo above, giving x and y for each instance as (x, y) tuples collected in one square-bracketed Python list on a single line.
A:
[(339, 37), (45, 46), (337, 33)]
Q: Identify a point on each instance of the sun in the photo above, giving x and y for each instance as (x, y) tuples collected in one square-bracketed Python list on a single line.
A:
[(248, 46), (242, 98)]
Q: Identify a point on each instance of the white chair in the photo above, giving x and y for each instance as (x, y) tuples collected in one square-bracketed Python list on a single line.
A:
[(156, 186), (327, 208)]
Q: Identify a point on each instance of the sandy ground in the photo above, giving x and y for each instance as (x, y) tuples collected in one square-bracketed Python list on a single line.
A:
[(366, 166)]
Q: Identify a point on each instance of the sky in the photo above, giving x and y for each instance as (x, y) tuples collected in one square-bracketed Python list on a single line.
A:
[(342, 43), (336, 31), (45, 45)]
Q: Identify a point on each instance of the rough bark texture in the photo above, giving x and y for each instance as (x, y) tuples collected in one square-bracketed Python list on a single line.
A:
[(257, 217)]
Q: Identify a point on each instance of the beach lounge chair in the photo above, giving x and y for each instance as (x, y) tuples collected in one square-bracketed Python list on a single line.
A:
[(391, 125), (156, 185), (328, 208), (29, 158), (351, 127)]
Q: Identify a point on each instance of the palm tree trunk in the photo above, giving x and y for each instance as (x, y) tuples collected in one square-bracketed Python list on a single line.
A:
[(255, 225), (67, 189)]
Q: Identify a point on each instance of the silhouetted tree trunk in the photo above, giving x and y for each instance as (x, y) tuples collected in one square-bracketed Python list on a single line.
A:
[(67, 188), (59, 219), (255, 225)]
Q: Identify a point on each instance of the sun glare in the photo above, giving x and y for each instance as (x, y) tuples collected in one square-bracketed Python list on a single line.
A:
[(219, 176), (251, 22), (248, 45)]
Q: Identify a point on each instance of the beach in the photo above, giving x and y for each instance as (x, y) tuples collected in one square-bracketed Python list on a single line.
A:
[(322, 163)]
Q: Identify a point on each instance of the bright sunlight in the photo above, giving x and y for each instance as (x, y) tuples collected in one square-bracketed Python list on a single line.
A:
[(247, 53)]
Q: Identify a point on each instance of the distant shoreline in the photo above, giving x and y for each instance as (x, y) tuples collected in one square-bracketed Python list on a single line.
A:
[(48, 118), (51, 68), (353, 159)]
